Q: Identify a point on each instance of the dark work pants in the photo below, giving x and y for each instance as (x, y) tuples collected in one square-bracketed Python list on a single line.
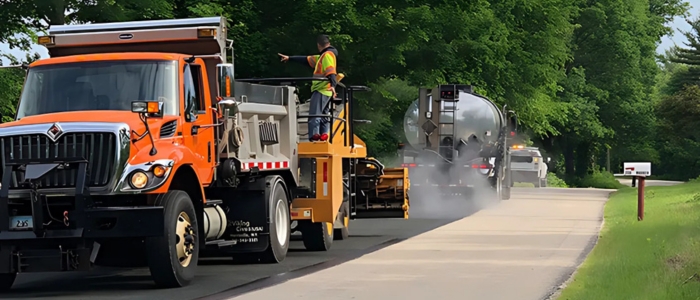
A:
[(318, 106)]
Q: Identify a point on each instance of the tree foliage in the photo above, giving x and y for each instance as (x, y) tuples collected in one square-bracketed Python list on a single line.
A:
[(678, 136), (679, 109), (582, 75)]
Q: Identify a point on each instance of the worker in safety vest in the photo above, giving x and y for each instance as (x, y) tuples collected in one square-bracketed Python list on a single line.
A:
[(321, 91)]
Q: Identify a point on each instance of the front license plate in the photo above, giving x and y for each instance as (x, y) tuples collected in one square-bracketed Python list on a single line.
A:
[(21, 223)]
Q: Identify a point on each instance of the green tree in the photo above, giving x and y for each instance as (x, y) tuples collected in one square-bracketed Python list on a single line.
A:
[(689, 57), (678, 135), (615, 43), (11, 80)]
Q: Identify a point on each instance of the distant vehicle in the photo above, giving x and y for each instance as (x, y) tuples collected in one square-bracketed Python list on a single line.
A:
[(528, 165)]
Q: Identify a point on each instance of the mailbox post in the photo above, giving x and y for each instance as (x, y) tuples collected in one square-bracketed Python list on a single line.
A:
[(639, 171)]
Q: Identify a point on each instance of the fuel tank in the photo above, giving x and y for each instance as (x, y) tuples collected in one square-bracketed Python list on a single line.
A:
[(473, 115)]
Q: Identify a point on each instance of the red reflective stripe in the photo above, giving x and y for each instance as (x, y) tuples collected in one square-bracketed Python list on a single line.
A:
[(265, 165), (325, 172)]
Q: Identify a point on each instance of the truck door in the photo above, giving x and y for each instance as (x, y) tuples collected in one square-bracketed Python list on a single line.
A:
[(199, 139)]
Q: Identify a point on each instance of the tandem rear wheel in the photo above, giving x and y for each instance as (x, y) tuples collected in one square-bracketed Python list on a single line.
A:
[(280, 226), (172, 258), (280, 222)]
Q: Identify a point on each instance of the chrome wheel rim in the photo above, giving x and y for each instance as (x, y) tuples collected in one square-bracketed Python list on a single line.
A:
[(184, 239), (281, 223)]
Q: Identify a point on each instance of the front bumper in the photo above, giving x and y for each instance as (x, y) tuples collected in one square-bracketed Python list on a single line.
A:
[(30, 246)]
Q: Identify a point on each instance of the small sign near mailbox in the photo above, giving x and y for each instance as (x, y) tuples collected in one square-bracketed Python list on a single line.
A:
[(640, 169)]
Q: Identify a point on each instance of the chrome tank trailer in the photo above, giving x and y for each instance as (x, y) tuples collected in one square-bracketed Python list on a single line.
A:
[(474, 115), (456, 138)]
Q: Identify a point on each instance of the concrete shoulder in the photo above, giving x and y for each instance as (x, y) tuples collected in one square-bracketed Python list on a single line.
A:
[(522, 248)]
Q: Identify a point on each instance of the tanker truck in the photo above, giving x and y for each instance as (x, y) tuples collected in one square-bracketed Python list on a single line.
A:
[(457, 142)]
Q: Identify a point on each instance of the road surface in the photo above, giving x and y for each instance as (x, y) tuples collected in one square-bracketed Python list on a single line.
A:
[(529, 244), (521, 249)]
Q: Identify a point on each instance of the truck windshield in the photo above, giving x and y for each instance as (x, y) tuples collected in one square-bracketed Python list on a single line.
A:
[(103, 85)]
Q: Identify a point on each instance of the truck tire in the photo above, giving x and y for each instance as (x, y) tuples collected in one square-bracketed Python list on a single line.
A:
[(340, 231), (316, 236), (505, 193), (507, 179), (172, 258), (6, 281), (280, 224)]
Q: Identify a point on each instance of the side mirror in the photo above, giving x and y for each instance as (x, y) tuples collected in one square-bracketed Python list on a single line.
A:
[(228, 107), (225, 81), (149, 108)]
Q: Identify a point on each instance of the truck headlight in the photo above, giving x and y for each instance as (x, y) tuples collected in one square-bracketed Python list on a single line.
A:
[(146, 176), (159, 171), (139, 180)]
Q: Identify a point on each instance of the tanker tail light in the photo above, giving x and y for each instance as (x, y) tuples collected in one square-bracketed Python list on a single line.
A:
[(481, 166)]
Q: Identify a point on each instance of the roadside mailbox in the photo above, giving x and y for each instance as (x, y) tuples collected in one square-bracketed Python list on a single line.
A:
[(639, 171)]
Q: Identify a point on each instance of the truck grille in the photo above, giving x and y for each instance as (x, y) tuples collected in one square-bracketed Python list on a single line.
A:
[(98, 148)]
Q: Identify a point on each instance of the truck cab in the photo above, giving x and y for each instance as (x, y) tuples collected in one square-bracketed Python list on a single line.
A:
[(133, 145)]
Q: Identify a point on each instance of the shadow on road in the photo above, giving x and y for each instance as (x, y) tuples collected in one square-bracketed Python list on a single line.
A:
[(221, 277)]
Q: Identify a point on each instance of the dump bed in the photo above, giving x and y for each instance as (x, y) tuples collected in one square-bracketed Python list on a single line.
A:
[(196, 36)]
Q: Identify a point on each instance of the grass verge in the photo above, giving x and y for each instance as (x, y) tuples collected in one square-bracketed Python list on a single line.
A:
[(657, 258)]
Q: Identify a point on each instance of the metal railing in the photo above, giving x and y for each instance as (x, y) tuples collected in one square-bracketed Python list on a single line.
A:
[(346, 94)]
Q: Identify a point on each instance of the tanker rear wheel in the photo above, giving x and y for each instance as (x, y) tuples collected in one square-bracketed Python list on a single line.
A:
[(506, 186)]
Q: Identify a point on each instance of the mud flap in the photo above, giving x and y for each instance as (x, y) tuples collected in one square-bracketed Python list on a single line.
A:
[(380, 192), (248, 219)]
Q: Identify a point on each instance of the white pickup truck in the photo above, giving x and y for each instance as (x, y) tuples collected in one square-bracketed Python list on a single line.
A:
[(528, 165)]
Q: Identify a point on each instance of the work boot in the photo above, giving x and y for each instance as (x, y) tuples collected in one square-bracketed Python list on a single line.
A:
[(324, 137), (315, 137)]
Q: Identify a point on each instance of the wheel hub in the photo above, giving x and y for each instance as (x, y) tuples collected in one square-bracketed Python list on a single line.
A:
[(185, 239)]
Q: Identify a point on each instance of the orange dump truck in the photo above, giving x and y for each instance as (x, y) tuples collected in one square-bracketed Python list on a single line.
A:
[(134, 146)]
